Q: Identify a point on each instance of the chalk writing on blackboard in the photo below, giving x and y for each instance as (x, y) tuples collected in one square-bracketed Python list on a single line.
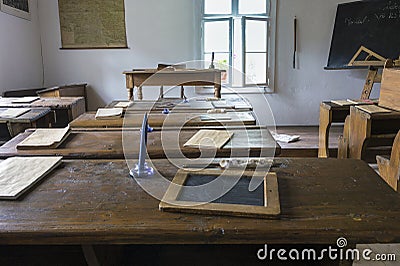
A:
[(370, 23)]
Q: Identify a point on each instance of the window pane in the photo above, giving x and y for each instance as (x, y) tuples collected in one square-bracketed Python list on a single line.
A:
[(217, 7), (221, 61), (256, 68), (252, 6), (256, 36), (216, 36)]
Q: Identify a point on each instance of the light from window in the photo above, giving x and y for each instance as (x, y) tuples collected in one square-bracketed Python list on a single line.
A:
[(217, 7), (237, 31), (247, 7), (216, 36)]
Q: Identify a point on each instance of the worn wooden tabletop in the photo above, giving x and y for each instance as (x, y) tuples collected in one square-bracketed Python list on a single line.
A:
[(88, 120), (95, 202), (108, 144)]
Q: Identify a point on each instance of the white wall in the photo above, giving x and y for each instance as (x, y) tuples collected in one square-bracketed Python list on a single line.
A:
[(20, 57), (167, 31)]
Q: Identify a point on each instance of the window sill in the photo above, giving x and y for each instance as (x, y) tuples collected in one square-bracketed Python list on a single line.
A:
[(241, 90)]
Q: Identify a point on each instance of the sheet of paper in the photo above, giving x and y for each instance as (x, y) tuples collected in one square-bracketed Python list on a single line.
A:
[(109, 113), (45, 137), (25, 99), (285, 138), (122, 104), (216, 117), (223, 104), (18, 174), (14, 112), (209, 139)]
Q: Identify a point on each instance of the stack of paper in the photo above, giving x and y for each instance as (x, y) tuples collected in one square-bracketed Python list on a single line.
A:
[(209, 139), (216, 117), (18, 174), (45, 138), (14, 112), (109, 113)]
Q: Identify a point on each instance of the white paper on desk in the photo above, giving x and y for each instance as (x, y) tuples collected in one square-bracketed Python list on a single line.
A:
[(223, 104), (14, 112), (122, 104), (285, 138), (216, 117), (109, 113), (45, 137), (25, 99), (18, 174)]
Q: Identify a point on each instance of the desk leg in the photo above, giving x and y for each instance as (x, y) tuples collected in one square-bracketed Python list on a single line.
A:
[(129, 86), (217, 90), (343, 148), (359, 132), (325, 121), (130, 94), (90, 255), (140, 93)]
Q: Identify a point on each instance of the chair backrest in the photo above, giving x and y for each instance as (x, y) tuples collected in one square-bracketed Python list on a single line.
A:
[(390, 88)]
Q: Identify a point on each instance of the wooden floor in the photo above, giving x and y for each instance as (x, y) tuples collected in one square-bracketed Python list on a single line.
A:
[(307, 146)]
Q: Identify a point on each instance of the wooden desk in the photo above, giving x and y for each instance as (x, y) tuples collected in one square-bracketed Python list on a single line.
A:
[(178, 106), (107, 144), (65, 109), (34, 118), (184, 77), (369, 130), (70, 90), (88, 120), (95, 202), (329, 113)]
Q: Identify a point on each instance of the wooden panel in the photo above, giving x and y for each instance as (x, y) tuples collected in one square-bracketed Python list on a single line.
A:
[(88, 120), (390, 89), (108, 144), (95, 202)]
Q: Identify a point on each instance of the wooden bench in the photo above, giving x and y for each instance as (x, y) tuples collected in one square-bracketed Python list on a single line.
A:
[(389, 169)]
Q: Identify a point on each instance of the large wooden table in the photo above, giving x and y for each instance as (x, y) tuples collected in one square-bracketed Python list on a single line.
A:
[(183, 77), (88, 120), (107, 144), (95, 202)]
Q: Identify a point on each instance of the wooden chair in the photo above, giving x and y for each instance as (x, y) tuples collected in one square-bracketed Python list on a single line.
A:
[(389, 169)]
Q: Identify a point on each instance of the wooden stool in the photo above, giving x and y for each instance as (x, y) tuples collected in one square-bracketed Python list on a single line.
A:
[(389, 170)]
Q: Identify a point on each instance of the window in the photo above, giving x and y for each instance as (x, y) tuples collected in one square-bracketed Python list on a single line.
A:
[(240, 33)]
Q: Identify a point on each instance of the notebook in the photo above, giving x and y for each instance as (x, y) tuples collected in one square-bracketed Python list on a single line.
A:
[(18, 174)]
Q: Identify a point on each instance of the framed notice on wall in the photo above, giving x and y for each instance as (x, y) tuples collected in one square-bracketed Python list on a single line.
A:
[(92, 24), (19, 8)]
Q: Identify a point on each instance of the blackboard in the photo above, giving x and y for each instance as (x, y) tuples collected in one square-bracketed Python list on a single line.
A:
[(374, 24)]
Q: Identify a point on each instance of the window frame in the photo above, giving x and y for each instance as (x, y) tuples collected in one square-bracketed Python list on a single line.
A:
[(269, 86)]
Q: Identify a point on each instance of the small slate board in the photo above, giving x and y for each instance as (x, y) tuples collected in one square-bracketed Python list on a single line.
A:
[(238, 201)]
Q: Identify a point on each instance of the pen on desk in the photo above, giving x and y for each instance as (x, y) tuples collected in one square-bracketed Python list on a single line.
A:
[(295, 42)]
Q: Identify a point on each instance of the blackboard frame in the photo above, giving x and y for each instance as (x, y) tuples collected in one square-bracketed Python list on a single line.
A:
[(373, 24), (271, 209)]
